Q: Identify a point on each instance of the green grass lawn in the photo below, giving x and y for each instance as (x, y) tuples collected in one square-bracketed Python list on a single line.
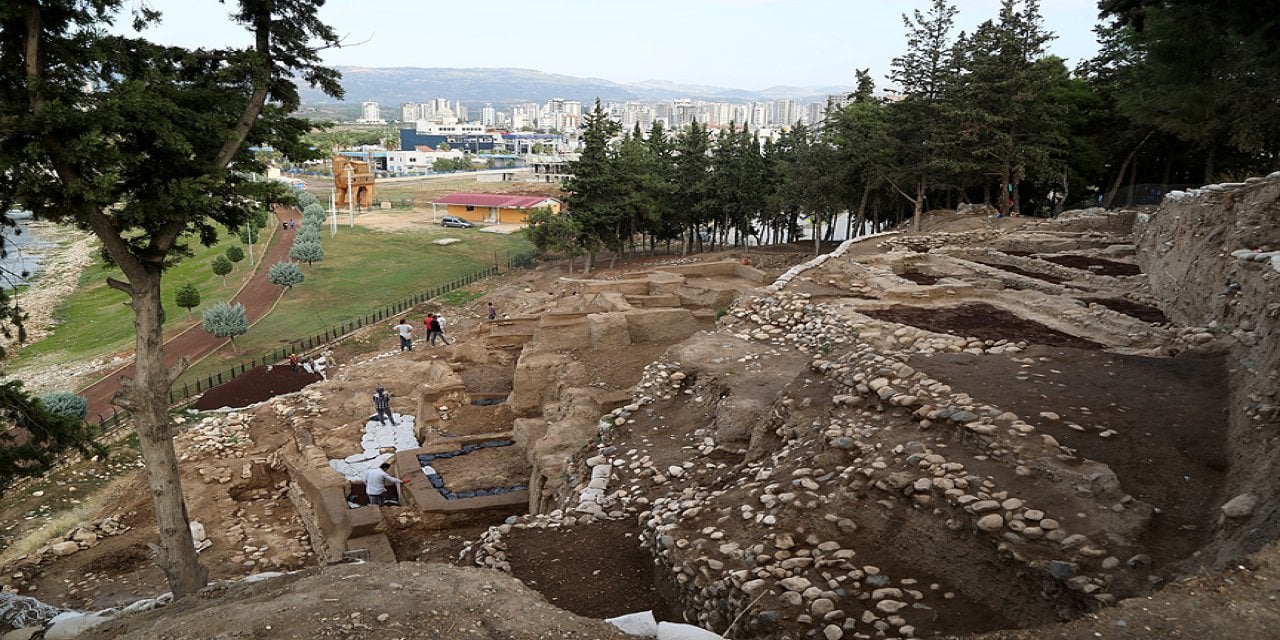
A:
[(94, 321), (362, 271)]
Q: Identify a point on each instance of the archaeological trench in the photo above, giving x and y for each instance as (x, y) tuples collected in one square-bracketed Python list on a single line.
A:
[(914, 435)]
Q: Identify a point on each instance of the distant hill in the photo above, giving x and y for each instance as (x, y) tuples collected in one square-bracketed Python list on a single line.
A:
[(390, 86)]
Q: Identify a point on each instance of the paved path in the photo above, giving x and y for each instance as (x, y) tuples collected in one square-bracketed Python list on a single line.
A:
[(258, 296)]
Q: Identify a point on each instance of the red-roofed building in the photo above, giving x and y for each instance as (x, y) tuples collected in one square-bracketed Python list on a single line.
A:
[(495, 208)]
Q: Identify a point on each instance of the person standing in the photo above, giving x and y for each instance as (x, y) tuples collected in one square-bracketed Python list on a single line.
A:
[(437, 330), (493, 311), (406, 334), (375, 483), (382, 403)]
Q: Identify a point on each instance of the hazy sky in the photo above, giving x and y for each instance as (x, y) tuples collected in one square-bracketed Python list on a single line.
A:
[(743, 44)]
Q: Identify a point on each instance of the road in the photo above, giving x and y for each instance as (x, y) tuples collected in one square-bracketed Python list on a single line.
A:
[(258, 297)]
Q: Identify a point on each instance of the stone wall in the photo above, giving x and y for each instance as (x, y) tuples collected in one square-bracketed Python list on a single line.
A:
[(1213, 258)]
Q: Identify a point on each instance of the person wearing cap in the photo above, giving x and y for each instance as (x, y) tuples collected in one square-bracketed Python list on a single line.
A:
[(382, 402)]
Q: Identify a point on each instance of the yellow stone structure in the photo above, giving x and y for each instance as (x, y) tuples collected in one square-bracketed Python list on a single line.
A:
[(360, 182)]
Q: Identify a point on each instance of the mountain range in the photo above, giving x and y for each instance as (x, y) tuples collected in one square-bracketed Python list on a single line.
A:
[(390, 86)]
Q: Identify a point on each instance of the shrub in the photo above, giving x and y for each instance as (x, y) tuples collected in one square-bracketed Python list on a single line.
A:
[(308, 252), (65, 403), (221, 267), (285, 274), (235, 254), (187, 296), (226, 320)]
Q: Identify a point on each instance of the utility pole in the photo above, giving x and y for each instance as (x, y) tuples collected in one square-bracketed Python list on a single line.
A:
[(333, 209), (351, 197)]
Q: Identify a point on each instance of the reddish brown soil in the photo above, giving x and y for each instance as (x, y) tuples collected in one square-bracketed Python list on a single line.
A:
[(1095, 265), (597, 571), (1169, 446), (254, 386), (1140, 311), (980, 321)]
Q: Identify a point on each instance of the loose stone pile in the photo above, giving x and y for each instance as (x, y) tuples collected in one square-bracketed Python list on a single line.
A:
[(221, 435), (84, 535)]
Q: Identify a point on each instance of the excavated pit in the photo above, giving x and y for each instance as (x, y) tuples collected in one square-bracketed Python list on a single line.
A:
[(981, 321)]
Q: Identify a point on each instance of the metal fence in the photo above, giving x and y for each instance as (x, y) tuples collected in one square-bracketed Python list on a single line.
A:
[(107, 424)]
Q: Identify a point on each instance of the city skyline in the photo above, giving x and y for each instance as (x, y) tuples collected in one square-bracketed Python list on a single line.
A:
[(741, 44)]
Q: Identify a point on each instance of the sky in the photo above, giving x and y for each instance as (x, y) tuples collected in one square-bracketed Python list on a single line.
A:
[(740, 44)]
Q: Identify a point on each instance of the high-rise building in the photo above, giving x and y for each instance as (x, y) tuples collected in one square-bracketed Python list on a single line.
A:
[(816, 112), (786, 113), (488, 116), (410, 112), (370, 113)]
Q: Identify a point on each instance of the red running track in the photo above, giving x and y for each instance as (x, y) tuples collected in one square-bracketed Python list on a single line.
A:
[(258, 297)]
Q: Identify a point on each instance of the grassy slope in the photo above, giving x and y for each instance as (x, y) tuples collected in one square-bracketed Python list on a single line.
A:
[(94, 321), (363, 270)]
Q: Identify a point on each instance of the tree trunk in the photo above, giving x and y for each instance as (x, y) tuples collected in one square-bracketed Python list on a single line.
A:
[(147, 396), (862, 212), (1208, 165), (918, 205), (1133, 182), (817, 234), (1005, 189), (1115, 187)]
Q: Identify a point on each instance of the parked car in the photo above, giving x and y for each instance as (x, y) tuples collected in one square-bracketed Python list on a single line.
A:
[(455, 221)]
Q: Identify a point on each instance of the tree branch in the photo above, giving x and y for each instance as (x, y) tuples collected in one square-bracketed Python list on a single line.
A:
[(178, 369), (120, 286), (262, 44)]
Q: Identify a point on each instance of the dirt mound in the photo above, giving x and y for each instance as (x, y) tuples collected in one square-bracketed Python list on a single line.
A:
[(254, 386), (362, 601)]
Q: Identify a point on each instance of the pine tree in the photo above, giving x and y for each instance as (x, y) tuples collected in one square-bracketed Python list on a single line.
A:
[(226, 320), (285, 274), (221, 267), (187, 296), (1006, 99), (308, 252), (691, 197), (591, 195), (918, 123)]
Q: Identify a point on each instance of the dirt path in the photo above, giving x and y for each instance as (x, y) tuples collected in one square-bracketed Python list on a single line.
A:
[(258, 296)]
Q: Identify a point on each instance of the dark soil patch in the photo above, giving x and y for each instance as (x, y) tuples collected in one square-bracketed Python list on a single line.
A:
[(597, 570), (1023, 272), (255, 385), (1142, 312), (981, 321), (1168, 414), (483, 469), (1095, 265), (923, 279)]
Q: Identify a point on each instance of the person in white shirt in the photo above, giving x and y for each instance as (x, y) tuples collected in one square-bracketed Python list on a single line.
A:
[(375, 483), (406, 334)]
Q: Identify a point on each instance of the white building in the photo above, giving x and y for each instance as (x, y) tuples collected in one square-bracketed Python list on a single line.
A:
[(410, 112), (370, 114), (488, 116)]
